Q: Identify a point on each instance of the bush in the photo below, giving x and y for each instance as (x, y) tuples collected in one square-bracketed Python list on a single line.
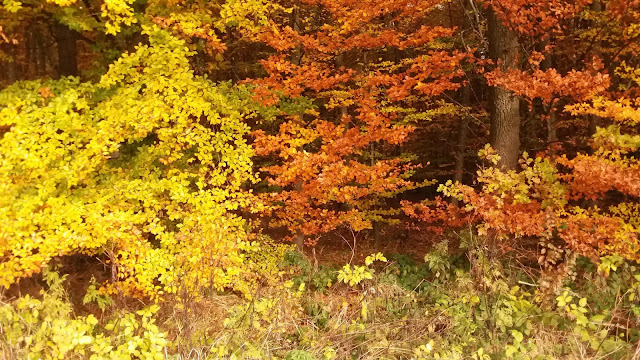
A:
[(145, 167), (45, 328)]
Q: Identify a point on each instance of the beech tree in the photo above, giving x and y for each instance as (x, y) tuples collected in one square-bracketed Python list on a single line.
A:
[(154, 145), (145, 167), (504, 104), (333, 166), (586, 194)]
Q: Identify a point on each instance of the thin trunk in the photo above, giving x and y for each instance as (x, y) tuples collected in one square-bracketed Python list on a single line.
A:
[(377, 235), (11, 74), (375, 225), (531, 125), (552, 116), (461, 144), (296, 57), (594, 120), (343, 111), (299, 239), (28, 43), (41, 54), (465, 100), (552, 136), (67, 51), (504, 105)]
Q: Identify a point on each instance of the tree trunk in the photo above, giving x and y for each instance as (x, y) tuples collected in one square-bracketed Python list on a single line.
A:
[(343, 111), (41, 55), (461, 145), (465, 100), (28, 53), (552, 114), (11, 74), (504, 105), (299, 239), (67, 51), (296, 59), (375, 225), (552, 119), (294, 20), (594, 121)]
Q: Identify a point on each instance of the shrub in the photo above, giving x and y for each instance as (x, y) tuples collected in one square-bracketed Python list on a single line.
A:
[(44, 328)]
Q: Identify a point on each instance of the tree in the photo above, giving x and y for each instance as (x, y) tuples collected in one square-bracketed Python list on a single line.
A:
[(504, 105), (145, 166), (334, 162), (586, 198)]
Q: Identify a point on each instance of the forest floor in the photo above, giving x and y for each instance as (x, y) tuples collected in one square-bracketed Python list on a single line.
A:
[(346, 247), (430, 296)]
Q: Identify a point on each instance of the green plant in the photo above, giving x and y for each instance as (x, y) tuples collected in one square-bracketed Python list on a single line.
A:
[(299, 355), (354, 275), (94, 295), (438, 259), (45, 328), (591, 328)]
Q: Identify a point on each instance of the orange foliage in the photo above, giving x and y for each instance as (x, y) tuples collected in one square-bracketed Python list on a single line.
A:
[(331, 172)]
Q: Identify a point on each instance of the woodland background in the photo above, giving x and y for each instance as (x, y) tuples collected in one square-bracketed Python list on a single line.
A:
[(319, 179)]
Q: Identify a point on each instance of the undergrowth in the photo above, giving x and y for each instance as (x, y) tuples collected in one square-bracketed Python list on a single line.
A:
[(461, 302)]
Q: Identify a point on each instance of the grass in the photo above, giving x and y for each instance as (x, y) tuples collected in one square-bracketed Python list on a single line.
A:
[(466, 301)]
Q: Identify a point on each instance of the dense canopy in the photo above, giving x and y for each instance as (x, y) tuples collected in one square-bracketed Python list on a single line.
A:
[(183, 145)]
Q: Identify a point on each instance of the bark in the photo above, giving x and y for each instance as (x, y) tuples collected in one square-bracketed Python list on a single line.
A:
[(343, 111), (552, 118), (296, 57), (465, 100), (41, 54), (28, 47), (594, 121), (552, 136), (11, 74), (461, 143), (67, 51), (504, 105), (375, 225), (299, 239)]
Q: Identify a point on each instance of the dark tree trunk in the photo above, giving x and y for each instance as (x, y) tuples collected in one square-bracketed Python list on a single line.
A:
[(461, 144), (294, 21), (504, 105), (465, 98), (41, 54), (296, 59), (552, 114), (299, 241), (29, 52), (67, 51), (552, 136), (299, 238), (375, 225), (594, 121), (11, 74)]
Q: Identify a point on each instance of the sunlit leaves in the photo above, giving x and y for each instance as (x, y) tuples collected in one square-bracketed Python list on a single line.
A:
[(143, 167)]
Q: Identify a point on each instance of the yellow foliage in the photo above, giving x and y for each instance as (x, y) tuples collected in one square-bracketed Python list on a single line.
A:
[(145, 167), (45, 329)]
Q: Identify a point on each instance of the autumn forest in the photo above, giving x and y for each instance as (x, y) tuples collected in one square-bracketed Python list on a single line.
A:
[(319, 179)]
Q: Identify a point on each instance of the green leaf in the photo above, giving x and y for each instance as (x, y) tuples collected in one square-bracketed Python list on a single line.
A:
[(517, 336)]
